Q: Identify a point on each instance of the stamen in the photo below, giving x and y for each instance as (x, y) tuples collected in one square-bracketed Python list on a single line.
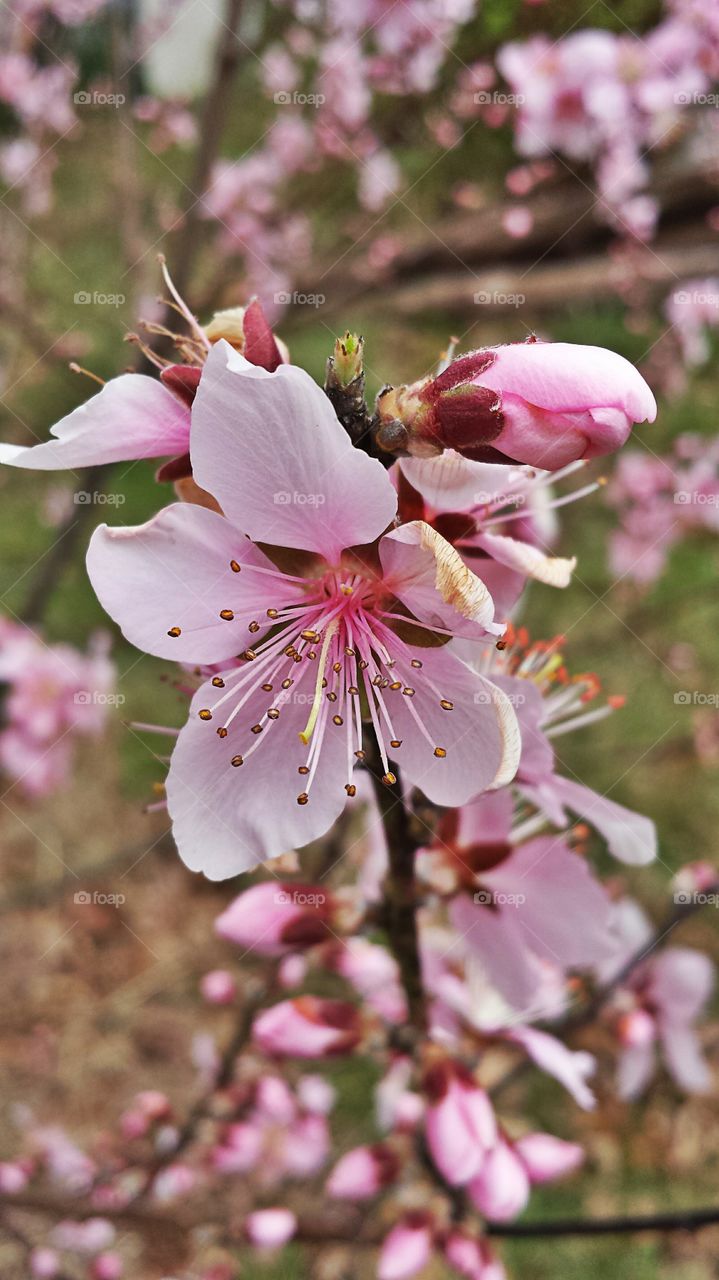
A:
[(306, 733)]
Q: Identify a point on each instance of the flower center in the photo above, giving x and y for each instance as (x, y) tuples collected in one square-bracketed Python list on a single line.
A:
[(342, 634)]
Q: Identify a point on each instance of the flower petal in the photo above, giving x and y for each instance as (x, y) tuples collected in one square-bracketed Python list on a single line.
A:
[(222, 820), (630, 836), (426, 573), (132, 417), (528, 559), (174, 572), (451, 482), (270, 448), (480, 734)]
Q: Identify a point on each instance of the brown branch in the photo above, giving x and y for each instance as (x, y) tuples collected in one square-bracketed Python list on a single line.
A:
[(400, 901)]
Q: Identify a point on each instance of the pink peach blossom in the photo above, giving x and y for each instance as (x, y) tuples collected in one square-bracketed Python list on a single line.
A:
[(190, 585)]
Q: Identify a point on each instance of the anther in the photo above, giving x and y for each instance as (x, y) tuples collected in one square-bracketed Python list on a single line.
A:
[(222, 733), (256, 728), (287, 682), (332, 697), (396, 742), (353, 690), (350, 651), (273, 713), (350, 789), (337, 720), (303, 769), (363, 664), (440, 753), (236, 761), (446, 706), (303, 798), (175, 632), (396, 684), (310, 635), (408, 692), (416, 663), (337, 667), (205, 714), (360, 755), (254, 627), (235, 567), (227, 615), (389, 779), (218, 682), (267, 688), (272, 613)]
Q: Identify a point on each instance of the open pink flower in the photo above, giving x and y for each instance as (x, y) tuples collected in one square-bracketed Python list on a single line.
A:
[(333, 617), (136, 416), (529, 904), (545, 403)]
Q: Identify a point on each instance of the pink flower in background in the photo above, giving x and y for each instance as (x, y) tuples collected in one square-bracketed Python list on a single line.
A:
[(660, 501), (283, 1132), (550, 703), (656, 1009), (542, 403), (53, 695), (502, 1187), (314, 626), (526, 905)]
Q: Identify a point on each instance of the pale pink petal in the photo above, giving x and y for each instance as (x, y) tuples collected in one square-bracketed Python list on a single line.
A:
[(635, 1069), (453, 483), (546, 1157), (270, 448), (681, 982), (685, 1060), (487, 820), (561, 909), (570, 1067), (175, 572), (630, 836), (528, 559), (222, 822), (480, 734), (496, 938), (133, 416)]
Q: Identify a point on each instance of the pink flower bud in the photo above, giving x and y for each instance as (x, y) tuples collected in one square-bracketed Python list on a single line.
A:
[(501, 1189), (308, 1027), (107, 1266), (542, 403), (362, 1172), (270, 1228), (407, 1248), (273, 918), (546, 1157), (218, 987), (471, 1257), (460, 1122), (44, 1263)]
